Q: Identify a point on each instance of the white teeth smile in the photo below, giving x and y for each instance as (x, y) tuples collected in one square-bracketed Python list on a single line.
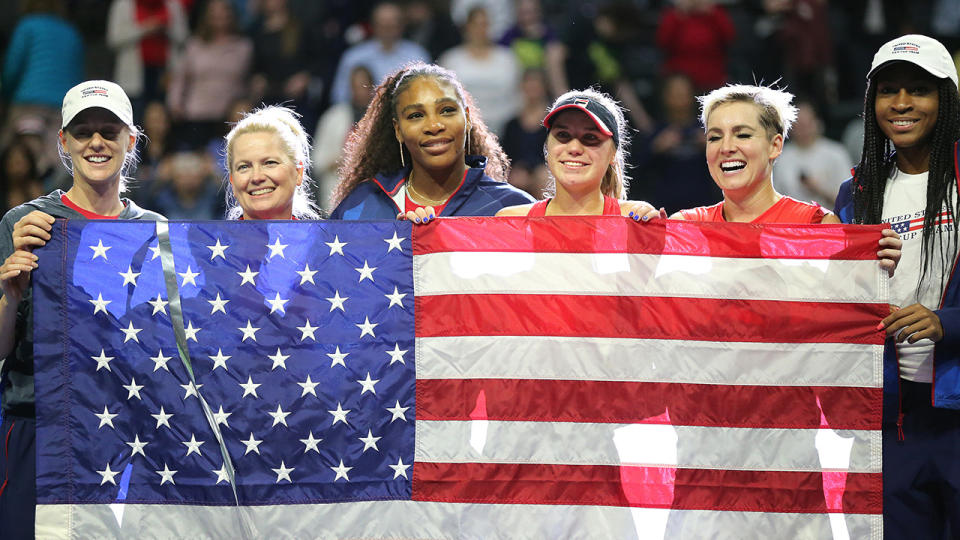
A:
[(262, 191), (733, 165), (904, 122), (573, 164), (97, 159)]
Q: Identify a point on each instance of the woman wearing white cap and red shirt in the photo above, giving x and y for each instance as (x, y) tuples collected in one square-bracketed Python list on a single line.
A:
[(98, 143), (585, 154), (912, 105)]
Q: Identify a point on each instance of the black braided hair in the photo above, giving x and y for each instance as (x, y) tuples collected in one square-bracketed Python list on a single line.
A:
[(878, 163)]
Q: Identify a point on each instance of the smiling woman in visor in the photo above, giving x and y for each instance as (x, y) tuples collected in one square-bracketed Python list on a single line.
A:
[(585, 151)]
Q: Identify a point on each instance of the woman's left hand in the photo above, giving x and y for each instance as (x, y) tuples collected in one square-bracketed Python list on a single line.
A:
[(890, 250), (422, 215), (914, 322), (641, 210)]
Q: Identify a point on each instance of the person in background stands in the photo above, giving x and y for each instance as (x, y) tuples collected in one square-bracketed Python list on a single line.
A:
[(384, 53), (812, 166)]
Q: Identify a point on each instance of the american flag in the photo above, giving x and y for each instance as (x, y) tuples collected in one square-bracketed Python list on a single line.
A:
[(472, 378), (916, 224)]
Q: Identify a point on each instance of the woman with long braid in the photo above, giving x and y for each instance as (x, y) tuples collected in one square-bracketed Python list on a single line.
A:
[(907, 177)]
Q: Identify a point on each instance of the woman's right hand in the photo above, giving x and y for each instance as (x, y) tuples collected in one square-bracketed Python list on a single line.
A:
[(891, 247), (15, 275), (32, 230)]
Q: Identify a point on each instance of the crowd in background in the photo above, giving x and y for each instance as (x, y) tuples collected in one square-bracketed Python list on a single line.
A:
[(192, 67)]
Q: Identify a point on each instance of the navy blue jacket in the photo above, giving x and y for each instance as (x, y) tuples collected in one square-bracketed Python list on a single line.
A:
[(479, 195), (946, 352)]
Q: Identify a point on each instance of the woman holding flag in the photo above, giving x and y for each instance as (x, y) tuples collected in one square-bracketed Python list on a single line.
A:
[(98, 142), (422, 150), (586, 151), (746, 126), (912, 107)]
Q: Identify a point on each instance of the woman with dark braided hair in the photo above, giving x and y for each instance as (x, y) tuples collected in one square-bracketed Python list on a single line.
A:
[(420, 151), (907, 177)]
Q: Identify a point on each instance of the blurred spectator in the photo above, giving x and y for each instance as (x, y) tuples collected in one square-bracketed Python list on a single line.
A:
[(674, 171), (524, 136), (601, 46), (154, 149), (384, 53), (281, 57), (20, 176), (216, 149), (945, 20), (43, 61), (694, 36), (147, 36), (811, 167), (852, 138), (502, 14), (798, 47), (332, 130), (429, 25), (488, 71), (243, 13), (868, 24), (31, 131), (536, 45), (191, 192), (214, 72)]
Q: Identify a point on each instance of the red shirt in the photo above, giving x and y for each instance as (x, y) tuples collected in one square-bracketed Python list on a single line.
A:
[(786, 210), (86, 213), (611, 207), (409, 205)]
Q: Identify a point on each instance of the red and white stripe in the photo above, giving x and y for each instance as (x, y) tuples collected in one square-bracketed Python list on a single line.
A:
[(710, 378)]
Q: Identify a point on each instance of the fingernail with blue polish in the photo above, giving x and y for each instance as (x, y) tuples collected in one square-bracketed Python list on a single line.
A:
[(417, 220), (631, 213), (646, 218), (431, 216)]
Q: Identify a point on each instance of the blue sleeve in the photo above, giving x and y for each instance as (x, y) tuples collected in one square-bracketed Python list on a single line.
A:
[(340, 89), (946, 354), (521, 197), (843, 207), (362, 202), (338, 211)]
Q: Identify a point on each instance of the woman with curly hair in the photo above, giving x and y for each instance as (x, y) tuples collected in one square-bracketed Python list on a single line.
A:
[(422, 150)]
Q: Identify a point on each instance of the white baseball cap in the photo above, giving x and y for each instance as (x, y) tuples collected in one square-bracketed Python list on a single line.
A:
[(104, 94), (922, 51)]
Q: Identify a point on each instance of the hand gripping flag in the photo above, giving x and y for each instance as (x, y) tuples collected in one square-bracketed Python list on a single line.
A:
[(471, 378)]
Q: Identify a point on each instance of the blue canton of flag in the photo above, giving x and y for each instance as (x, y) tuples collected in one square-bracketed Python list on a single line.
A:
[(900, 227), (300, 337)]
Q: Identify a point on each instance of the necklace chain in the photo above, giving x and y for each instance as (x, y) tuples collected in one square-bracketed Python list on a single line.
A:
[(414, 191)]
